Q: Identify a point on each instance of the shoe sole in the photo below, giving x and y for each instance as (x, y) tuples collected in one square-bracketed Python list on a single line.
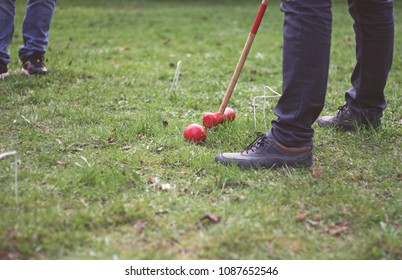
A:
[(4, 75), (25, 72), (350, 126), (341, 127), (306, 161)]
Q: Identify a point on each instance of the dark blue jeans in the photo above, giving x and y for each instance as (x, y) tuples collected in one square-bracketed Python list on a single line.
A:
[(306, 51), (35, 28)]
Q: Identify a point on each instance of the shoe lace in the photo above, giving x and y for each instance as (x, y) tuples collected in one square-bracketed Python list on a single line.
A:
[(345, 114), (341, 110), (260, 141)]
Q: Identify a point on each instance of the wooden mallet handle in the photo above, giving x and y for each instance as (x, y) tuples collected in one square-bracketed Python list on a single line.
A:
[(243, 56)]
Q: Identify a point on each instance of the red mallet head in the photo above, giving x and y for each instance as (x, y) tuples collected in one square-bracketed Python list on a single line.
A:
[(212, 119), (219, 118), (195, 133), (229, 114)]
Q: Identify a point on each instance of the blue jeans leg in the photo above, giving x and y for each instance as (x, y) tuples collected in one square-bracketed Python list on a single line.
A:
[(36, 26), (306, 52), (7, 13), (374, 29)]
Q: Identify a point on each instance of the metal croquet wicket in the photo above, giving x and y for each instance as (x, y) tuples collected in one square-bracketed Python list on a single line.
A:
[(15, 154), (264, 98), (175, 78)]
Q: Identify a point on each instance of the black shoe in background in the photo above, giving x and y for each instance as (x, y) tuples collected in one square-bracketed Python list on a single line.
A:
[(3, 70), (34, 65), (346, 120)]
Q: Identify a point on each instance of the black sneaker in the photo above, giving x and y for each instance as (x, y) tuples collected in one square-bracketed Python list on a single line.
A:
[(3, 70), (33, 65), (266, 152), (346, 120)]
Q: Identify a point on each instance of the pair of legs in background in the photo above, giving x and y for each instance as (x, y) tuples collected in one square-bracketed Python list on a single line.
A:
[(306, 55), (35, 34)]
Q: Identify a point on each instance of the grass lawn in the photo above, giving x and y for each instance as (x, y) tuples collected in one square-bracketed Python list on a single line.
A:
[(104, 170)]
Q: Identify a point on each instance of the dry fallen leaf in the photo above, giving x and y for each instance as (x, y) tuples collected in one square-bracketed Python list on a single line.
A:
[(153, 180), (211, 218), (301, 217), (317, 171), (126, 147), (338, 229), (111, 140), (313, 223), (161, 212), (139, 226), (122, 48), (239, 197), (164, 187)]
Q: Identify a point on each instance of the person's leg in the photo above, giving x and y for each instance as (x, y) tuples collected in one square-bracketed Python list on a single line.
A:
[(365, 101), (306, 52), (307, 40), (374, 28), (35, 31), (36, 26), (7, 13)]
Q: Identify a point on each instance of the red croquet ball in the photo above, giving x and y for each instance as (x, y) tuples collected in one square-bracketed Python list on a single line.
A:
[(195, 133), (209, 120), (229, 114)]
